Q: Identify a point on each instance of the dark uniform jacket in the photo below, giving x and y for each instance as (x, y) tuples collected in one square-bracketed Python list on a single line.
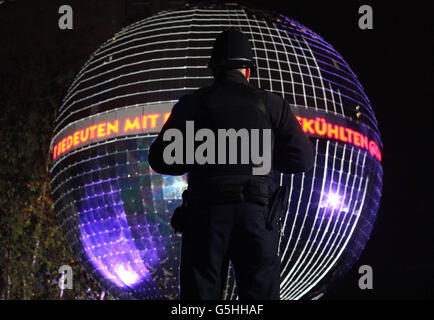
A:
[(292, 150)]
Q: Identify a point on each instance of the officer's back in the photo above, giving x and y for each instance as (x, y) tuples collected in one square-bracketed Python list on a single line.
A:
[(227, 204)]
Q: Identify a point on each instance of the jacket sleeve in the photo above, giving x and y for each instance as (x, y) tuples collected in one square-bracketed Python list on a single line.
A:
[(293, 151), (177, 119)]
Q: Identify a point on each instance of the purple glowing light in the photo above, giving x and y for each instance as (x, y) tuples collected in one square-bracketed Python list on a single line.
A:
[(109, 245), (333, 200), (127, 274)]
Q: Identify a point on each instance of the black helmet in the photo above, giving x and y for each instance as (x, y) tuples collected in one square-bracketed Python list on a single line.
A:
[(231, 50)]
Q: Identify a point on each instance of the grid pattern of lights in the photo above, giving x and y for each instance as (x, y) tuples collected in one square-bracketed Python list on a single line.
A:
[(115, 211)]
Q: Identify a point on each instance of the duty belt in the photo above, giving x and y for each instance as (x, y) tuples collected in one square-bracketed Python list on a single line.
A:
[(223, 192)]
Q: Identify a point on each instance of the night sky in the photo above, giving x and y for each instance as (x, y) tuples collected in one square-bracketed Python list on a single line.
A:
[(393, 63)]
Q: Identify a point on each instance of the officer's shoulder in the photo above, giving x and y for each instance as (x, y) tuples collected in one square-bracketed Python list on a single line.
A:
[(188, 100), (198, 92), (193, 96), (274, 98), (194, 93)]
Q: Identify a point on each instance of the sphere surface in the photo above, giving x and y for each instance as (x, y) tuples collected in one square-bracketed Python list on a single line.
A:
[(115, 211)]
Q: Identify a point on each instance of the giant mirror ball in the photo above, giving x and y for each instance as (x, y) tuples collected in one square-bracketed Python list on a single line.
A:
[(114, 210)]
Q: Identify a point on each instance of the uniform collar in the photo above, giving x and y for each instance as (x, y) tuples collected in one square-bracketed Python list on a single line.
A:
[(232, 76)]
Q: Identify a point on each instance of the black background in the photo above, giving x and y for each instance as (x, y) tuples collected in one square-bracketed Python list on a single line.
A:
[(393, 63)]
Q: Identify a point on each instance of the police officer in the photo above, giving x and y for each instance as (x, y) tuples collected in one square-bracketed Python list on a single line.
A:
[(226, 206)]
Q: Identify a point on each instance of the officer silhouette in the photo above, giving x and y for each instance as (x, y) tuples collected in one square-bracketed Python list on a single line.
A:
[(227, 209)]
